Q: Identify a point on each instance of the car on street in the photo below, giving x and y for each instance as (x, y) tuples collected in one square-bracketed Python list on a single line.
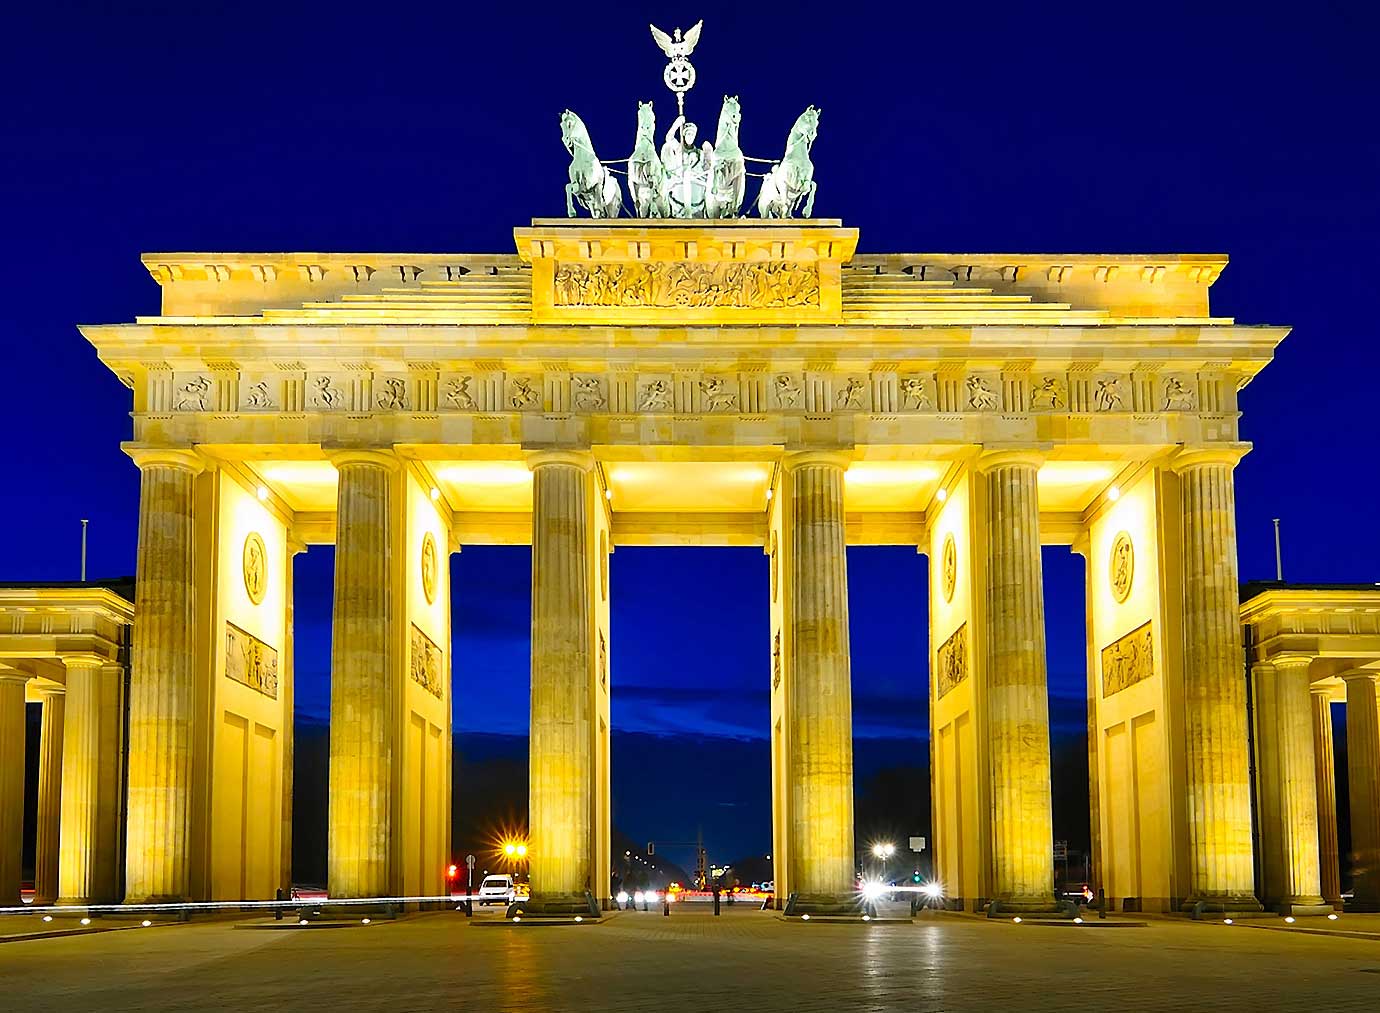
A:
[(497, 890)]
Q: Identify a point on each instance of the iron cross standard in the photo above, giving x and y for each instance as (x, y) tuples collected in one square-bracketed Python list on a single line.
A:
[(679, 75)]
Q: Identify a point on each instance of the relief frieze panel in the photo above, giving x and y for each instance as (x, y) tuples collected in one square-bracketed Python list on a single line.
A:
[(523, 394), (980, 393), (1179, 394), (687, 284), (327, 392), (625, 390), (260, 392), (951, 661), (1109, 394), (193, 392), (1129, 660), (426, 659), (1049, 393), (719, 394), (916, 393), (391, 393), (250, 662)]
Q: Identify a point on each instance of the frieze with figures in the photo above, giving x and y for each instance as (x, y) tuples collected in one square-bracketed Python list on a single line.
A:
[(426, 659), (349, 389), (1128, 660), (672, 284), (250, 662), (951, 661)]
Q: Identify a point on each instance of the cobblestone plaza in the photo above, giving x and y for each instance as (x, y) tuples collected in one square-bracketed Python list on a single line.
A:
[(693, 961)]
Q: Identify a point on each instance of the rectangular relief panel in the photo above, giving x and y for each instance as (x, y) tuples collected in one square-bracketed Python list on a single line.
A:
[(426, 663), (251, 662), (952, 667), (611, 272), (1129, 660)]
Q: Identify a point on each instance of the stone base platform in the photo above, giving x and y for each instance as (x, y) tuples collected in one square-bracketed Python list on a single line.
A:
[(834, 906), (1307, 910), (1035, 908), (557, 908)]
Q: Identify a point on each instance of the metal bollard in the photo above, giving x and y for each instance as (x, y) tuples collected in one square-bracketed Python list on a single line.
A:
[(278, 911)]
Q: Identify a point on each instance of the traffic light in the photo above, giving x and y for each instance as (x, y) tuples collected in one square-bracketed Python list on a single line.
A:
[(915, 876)]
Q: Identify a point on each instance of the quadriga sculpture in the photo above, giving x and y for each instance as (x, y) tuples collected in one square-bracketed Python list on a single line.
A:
[(792, 180), (728, 173), (591, 184), (646, 176)]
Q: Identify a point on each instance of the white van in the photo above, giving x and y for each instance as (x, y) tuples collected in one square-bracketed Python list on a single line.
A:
[(497, 890)]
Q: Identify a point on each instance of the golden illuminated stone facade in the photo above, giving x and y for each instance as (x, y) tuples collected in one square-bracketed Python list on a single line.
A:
[(65, 648), (674, 383), (1310, 648)]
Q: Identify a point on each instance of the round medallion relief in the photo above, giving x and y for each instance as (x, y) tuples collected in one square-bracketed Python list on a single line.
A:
[(950, 567), (255, 564), (1122, 566), (429, 568)]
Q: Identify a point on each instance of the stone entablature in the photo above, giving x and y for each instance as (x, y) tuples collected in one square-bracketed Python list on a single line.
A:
[(643, 333), (42, 626), (1163, 287), (1337, 627)]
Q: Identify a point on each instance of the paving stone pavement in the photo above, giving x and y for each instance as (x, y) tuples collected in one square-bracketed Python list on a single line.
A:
[(692, 961)]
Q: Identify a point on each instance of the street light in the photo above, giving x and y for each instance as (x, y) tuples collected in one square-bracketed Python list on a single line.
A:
[(883, 849)]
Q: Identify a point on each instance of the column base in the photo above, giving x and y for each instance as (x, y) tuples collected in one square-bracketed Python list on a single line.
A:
[(555, 907), (1307, 908), (153, 899), (836, 905), (1226, 905), (1048, 906), (325, 911)]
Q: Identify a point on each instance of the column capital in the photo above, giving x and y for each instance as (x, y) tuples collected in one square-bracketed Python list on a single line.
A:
[(1360, 675), (990, 459), (1320, 689), (185, 458), (11, 677), (377, 457), (71, 661), (1187, 456), (47, 689), (581, 459), (1291, 659), (818, 458)]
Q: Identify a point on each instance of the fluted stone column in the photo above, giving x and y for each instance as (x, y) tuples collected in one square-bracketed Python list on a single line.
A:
[(1216, 751), (287, 685), (561, 777), (1363, 770), (1325, 776), (821, 698), (161, 718), (1297, 789), (92, 762), (1016, 685), (362, 678), (46, 850), (12, 733)]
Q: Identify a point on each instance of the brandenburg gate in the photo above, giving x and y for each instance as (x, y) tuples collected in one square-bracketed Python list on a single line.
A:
[(673, 382)]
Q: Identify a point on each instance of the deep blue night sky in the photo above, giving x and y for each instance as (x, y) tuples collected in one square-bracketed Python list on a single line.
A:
[(1079, 127)]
